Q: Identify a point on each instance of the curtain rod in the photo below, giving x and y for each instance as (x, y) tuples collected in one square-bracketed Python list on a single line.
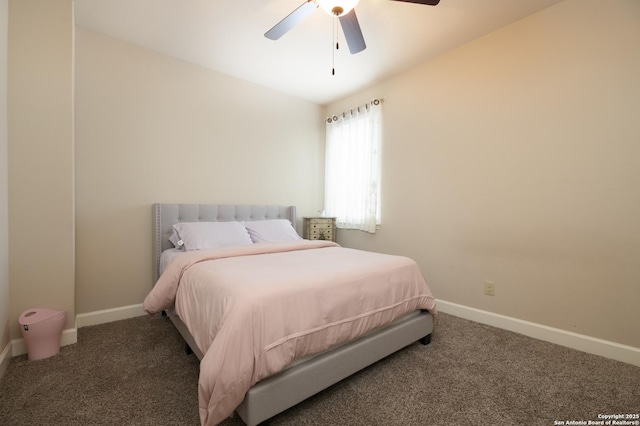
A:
[(376, 101)]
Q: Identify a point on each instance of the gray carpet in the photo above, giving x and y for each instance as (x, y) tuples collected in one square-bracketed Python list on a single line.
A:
[(135, 372)]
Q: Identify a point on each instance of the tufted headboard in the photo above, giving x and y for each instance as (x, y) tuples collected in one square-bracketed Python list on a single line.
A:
[(166, 215)]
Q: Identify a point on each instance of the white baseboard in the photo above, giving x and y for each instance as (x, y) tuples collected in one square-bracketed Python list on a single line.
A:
[(592, 345), (109, 315), (608, 349), (69, 337)]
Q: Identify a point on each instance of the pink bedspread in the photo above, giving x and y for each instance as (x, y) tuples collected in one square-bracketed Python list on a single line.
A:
[(252, 310)]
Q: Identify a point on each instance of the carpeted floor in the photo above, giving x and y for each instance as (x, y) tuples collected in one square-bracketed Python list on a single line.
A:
[(135, 372)]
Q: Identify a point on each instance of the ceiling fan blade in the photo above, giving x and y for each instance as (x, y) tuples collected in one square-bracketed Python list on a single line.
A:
[(427, 2), (291, 20), (352, 32)]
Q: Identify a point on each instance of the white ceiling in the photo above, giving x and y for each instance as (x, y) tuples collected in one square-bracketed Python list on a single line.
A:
[(228, 36)]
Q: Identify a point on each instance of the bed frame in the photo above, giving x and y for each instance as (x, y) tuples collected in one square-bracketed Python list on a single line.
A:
[(306, 377)]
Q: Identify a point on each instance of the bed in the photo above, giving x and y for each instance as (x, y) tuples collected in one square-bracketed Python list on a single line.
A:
[(299, 367)]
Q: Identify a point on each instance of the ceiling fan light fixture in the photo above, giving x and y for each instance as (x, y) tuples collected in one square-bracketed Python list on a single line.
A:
[(337, 7)]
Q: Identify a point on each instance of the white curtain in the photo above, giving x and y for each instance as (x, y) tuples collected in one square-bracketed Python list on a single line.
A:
[(352, 167)]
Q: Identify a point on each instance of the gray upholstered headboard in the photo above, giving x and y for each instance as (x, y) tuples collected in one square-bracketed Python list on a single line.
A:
[(166, 215)]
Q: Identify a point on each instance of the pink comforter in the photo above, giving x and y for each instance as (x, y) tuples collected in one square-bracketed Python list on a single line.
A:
[(254, 309)]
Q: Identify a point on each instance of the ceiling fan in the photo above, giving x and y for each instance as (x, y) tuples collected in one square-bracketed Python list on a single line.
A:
[(342, 9)]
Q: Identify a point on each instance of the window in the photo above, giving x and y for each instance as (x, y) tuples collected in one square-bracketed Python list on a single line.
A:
[(352, 167)]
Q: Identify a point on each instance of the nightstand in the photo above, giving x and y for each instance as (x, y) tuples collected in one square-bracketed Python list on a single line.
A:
[(319, 228)]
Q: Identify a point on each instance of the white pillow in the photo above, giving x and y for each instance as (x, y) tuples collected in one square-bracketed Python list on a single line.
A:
[(271, 231), (210, 235), (176, 241)]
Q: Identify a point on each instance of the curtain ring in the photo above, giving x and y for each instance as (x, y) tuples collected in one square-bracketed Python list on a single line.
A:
[(376, 101)]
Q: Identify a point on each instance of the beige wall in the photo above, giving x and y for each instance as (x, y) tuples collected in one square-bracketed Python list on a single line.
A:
[(512, 159), (516, 159), (4, 220), (40, 156), (150, 128)]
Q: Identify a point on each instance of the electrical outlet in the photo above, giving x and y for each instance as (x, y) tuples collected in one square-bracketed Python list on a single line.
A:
[(489, 288)]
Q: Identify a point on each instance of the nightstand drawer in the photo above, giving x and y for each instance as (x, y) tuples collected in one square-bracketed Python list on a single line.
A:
[(317, 233), (322, 221)]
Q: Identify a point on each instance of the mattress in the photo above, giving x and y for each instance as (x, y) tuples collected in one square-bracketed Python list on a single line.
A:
[(167, 256)]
